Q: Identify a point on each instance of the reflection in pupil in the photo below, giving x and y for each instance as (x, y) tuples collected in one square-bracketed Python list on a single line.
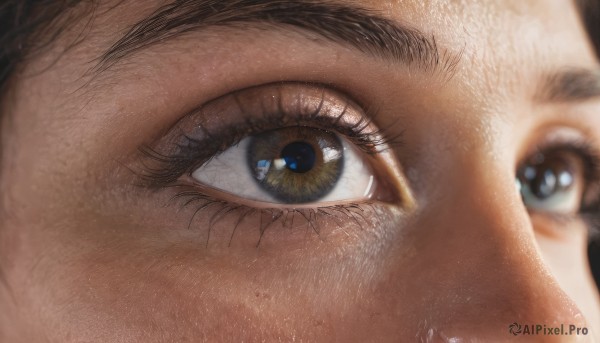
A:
[(545, 184), (296, 165), (548, 178), (299, 157)]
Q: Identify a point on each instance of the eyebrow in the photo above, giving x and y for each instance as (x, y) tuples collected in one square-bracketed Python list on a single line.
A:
[(342, 24), (575, 84)]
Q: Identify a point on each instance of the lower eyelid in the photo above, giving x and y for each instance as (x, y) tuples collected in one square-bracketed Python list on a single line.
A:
[(556, 225), (218, 223)]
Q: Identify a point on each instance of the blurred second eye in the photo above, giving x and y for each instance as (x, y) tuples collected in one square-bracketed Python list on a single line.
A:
[(553, 182), (292, 165)]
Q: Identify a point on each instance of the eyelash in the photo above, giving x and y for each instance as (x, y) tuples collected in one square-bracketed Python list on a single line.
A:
[(167, 169), (193, 153), (312, 216)]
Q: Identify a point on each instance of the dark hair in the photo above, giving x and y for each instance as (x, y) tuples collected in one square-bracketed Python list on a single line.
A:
[(590, 13), (26, 27)]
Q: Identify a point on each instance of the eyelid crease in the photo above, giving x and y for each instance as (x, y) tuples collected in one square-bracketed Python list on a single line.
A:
[(225, 121)]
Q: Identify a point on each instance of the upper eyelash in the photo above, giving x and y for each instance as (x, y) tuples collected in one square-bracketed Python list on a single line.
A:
[(193, 152)]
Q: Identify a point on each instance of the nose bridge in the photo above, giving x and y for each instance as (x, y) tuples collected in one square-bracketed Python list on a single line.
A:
[(491, 273)]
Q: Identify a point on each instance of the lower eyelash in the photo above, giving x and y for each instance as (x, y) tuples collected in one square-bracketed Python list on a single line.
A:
[(269, 217)]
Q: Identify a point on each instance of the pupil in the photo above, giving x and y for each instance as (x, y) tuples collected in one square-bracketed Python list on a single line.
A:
[(296, 165), (299, 157), (545, 185), (544, 180)]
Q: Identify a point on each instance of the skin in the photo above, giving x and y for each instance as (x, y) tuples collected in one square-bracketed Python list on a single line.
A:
[(87, 256)]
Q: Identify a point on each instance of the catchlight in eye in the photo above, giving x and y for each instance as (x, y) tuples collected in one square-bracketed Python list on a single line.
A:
[(296, 165), (292, 165)]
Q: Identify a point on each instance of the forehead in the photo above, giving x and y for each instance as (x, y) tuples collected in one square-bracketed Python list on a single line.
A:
[(508, 42), (500, 32), (498, 29)]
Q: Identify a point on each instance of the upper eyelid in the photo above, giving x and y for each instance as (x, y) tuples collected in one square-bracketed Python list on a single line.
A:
[(357, 125), (317, 101)]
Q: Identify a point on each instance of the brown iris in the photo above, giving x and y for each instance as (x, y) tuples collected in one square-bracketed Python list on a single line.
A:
[(553, 181), (296, 164)]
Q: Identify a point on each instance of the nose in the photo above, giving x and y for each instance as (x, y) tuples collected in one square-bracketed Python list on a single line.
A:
[(485, 277)]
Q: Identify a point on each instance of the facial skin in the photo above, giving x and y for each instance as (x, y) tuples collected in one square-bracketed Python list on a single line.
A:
[(88, 254)]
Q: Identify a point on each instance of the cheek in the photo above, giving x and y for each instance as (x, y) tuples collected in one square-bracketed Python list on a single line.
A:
[(567, 261), (105, 284)]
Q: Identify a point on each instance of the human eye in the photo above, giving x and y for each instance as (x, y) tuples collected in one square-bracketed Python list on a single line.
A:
[(560, 178), (287, 150), (291, 166)]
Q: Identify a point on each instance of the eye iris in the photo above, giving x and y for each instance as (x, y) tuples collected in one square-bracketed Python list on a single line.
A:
[(553, 181), (547, 177), (544, 185), (299, 157), (296, 164)]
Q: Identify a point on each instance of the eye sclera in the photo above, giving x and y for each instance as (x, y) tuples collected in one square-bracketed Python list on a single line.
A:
[(247, 191)]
